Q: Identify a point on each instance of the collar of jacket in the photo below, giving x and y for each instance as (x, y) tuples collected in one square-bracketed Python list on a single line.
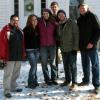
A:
[(66, 21), (88, 12)]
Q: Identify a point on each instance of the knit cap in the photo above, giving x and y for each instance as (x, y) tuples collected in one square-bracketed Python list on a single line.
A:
[(47, 10), (61, 11)]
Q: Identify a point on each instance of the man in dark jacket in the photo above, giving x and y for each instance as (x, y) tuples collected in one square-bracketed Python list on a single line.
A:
[(89, 31), (11, 45)]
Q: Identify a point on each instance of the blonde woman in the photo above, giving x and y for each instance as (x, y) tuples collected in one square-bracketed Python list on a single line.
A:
[(32, 49)]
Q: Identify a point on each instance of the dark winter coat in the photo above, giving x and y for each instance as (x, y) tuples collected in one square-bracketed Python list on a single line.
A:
[(31, 38), (68, 35), (89, 30), (12, 49)]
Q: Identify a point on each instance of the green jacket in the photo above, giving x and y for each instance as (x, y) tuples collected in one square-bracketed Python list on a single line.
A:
[(68, 36)]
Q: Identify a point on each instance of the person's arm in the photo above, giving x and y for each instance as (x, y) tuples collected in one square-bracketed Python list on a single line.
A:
[(3, 44), (96, 30), (75, 36)]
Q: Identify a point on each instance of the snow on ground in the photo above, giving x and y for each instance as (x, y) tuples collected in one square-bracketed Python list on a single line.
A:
[(54, 92)]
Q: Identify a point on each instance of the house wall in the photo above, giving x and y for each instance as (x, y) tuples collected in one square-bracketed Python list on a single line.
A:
[(94, 6), (63, 4), (6, 9), (23, 17)]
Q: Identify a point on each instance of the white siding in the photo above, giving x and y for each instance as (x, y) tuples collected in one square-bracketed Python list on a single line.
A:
[(63, 4), (94, 6), (6, 9), (23, 18)]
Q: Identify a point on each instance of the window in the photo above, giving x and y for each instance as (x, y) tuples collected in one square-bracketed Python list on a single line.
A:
[(43, 4), (16, 7)]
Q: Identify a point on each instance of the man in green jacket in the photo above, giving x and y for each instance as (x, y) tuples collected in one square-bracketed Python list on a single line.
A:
[(68, 36)]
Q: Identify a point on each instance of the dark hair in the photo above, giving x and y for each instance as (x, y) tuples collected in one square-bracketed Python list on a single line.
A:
[(29, 20), (61, 10), (12, 16), (54, 3), (47, 10)]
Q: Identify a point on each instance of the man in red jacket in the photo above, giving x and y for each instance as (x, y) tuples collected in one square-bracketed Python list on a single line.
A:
[(11, 47)]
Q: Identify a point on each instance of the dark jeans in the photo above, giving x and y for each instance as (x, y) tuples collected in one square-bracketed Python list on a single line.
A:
[(69, 61), (87, 56), (47, 56), (33, 56)]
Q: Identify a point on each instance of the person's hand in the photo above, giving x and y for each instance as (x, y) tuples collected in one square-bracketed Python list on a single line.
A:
[(89, 46)]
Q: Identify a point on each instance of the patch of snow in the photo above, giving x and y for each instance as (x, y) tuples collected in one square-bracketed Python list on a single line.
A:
[(53, 92)]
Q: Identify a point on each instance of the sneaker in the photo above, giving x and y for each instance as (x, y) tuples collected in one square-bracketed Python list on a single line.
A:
[(49, 82), (73, 87), (83, 84), (8, 95), (37, 84), (96, 90), (54, 82), (17, 90), (65, 83), (31, 86)]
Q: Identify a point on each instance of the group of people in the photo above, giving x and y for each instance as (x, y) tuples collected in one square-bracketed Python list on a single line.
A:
[(41, 37)]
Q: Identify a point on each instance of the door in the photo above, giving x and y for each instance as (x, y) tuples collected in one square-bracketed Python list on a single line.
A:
[(27, 7)]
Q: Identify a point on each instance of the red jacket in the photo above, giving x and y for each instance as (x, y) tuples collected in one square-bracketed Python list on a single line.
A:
[(4, 51), (47, 33)]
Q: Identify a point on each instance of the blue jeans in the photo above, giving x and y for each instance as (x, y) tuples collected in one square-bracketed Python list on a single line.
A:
[(87, 56), (69, 61), (47, 55), (33, 56)]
